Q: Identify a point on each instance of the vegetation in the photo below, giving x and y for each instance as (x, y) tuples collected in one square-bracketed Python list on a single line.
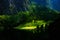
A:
[(36, 18), (35, 13)]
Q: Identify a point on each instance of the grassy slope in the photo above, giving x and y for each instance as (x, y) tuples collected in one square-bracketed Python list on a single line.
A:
[(32, 25)]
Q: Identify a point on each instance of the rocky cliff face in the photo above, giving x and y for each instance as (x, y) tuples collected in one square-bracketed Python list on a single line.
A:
[(14, 6)]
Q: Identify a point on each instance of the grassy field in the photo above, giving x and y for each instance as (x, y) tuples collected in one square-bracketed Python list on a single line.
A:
[(29, 25), (32, 25)]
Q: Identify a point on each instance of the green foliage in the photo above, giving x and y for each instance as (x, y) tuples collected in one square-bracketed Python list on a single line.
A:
[(8, 20), (35, 12), (43, 13)]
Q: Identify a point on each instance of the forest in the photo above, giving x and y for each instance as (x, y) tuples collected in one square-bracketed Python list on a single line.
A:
[(25, 19)]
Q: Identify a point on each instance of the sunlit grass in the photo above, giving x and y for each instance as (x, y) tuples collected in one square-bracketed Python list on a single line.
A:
[(4, 16), (32, 25)]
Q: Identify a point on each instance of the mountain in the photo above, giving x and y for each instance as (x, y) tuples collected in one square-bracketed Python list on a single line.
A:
[(14, 6)]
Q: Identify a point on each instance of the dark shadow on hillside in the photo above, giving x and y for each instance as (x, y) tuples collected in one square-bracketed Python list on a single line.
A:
[(54, 30), (15, 34)]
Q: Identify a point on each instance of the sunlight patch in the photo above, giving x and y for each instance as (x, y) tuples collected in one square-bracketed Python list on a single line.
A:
[(28, 28)]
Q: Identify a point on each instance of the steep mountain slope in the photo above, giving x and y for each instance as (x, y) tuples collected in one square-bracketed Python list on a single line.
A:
[(14, 6)]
